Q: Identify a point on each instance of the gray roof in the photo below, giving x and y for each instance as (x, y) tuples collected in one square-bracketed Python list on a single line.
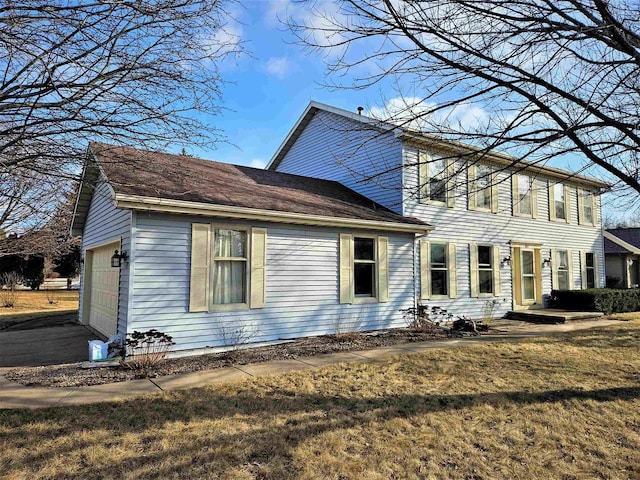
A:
[(629, 236)]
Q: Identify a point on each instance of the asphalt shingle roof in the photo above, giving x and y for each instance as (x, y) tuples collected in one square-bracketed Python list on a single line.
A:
[(131, 171)]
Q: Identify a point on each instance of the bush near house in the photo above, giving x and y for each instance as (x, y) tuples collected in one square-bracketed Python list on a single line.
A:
[(605, 300)]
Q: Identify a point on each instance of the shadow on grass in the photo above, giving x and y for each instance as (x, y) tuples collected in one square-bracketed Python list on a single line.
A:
[(606, 337), (308, 415)]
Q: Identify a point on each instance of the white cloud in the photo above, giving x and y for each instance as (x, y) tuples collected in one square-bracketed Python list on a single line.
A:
[(279, 66), (257, 163), (415, 113)]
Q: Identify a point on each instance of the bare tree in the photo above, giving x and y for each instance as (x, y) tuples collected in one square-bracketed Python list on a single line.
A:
[(543, 79), (137, 72)]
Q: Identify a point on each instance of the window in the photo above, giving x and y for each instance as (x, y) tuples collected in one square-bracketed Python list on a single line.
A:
[(482, 186), (364, 267), (364, 272), (438, 180), (590, 269), (587, 206), (485, 269), (559, 205), (438, 269), (561, 267), (229, 266), (524, 195), (528, 276)]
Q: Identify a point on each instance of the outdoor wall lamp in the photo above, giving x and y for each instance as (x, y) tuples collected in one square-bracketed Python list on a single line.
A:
[(118, 258), (629, 262), (546, 263), (506, 262)]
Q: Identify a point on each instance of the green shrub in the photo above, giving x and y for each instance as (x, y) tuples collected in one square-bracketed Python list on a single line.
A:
[(605, 300)]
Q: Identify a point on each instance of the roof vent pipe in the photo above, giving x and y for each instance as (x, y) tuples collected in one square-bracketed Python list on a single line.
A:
[(360, 110)]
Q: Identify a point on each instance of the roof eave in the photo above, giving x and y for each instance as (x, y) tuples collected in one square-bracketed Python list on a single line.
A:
[(618, 241), (165, 205), (501, 158)]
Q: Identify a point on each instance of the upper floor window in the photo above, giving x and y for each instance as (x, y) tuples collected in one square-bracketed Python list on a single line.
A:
[(559, 202), (525, 200), (436, 179), (364, 267), (559, 206), (483, 189), (586, 207), (524, 195)]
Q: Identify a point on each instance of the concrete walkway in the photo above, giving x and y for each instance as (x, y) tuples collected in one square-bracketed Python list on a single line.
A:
[(13, 395)]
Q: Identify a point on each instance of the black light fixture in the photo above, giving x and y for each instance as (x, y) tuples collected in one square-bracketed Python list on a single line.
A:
[(506, 262), (118, 257), (546, 263)]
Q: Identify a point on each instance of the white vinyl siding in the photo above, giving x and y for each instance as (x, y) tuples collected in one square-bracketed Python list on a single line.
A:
[(302, 285), (106, 224), (463, 226), (333, 147)]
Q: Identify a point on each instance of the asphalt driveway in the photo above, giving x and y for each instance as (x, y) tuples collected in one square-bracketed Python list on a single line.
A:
[(32, 344)]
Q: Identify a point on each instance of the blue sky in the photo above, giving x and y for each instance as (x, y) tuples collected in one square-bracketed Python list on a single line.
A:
[(269, 88)]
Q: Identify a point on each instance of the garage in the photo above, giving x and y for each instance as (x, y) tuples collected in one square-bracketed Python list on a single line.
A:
[(102, 287)]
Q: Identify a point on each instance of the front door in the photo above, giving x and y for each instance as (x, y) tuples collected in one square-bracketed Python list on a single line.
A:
[(527, 277)]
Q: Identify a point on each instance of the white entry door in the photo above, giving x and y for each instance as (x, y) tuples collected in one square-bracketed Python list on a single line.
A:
[(103, 297)]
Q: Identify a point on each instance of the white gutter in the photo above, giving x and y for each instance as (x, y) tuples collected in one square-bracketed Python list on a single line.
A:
[(167, 205)]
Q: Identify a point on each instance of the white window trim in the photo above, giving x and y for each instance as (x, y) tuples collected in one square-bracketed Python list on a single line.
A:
[(425, 162), (375, 262), (552, 202), (346, 261), (226, 307), (581, 206), (555, 262), (515, 193), (492, 189), (425, 270)]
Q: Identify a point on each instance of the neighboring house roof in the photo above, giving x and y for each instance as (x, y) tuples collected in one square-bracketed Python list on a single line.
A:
[(145, 180), (430, 140), (622, 240)]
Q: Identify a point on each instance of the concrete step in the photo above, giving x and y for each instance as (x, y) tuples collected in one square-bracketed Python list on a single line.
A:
[(551, 315)]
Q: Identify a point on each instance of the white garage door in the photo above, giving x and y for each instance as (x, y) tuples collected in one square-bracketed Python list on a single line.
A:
[(103, 299)]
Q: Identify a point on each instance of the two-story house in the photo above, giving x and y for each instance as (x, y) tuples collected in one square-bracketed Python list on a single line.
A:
[(352, 222), (503, 229)]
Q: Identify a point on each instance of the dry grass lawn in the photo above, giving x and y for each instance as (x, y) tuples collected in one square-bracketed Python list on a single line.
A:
[(31, 303), (561, 407)]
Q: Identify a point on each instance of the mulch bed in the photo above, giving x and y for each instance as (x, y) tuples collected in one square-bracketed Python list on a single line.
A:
[(73, 375)]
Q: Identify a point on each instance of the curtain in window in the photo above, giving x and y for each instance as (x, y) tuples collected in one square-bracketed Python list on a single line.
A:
[(229, 276)]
